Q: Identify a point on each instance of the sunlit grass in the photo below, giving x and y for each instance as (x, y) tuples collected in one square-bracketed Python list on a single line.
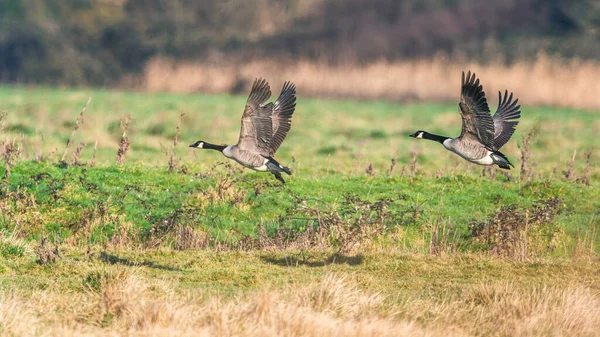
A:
[(212, 249), (341, 136)]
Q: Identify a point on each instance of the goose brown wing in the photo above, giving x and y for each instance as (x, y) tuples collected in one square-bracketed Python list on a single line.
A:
[(256, 131), (505, 119), (477, 123), (282, 112)]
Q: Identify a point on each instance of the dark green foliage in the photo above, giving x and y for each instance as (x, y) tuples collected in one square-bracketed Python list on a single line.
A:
[(20, 128), (151, 207)]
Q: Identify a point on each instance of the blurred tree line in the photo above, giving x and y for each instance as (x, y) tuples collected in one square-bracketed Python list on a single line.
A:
[(100, 41)]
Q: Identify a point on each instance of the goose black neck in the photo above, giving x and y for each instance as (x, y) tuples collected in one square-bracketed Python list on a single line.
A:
[(210, 146), (437, 138)]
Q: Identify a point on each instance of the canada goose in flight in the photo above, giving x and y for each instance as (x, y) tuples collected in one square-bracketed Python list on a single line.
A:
[(482, 135), (264, 127)]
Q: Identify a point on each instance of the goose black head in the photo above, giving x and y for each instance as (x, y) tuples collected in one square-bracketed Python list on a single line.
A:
[(199, 144), (419, 134)]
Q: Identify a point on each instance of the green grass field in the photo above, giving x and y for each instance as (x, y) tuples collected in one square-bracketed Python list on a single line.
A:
[(351, 134), (432, 248)]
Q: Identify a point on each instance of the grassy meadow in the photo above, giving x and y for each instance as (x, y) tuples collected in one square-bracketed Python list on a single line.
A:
[(374, 234)]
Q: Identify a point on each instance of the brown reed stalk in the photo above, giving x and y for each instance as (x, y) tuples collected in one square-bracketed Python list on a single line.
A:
[(393, 164), (45, 253), (370, 171), (413, 164), (23, 151), (526, 165), (3, 115), (585, 179), (357, 158), (37, 148), (176, 140), (9, 155), (93, 160), (124, 143), (570, 172), (77, 153), (78, 123)]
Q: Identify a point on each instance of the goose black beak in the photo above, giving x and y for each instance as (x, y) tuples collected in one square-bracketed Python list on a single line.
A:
[(192, 145), (414, 135)]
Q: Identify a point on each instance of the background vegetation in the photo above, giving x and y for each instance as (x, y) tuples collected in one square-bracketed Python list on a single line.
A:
[(103, 42)]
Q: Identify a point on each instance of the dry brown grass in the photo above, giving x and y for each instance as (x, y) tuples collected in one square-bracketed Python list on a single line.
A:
[(118, 301), (546, 81)]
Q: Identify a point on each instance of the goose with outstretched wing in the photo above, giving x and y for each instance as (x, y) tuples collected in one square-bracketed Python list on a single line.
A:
[(263, 129), (482, 135)]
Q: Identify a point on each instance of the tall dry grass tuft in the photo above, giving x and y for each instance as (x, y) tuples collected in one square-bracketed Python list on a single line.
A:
[(117, 301), (188, 238), (545, 81), (45, 253), (506, 310), (337, 295)]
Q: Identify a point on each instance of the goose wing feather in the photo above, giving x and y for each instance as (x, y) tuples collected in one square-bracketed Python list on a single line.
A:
[(477, 123), (257, 128), (505, 118), (283, 109)]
